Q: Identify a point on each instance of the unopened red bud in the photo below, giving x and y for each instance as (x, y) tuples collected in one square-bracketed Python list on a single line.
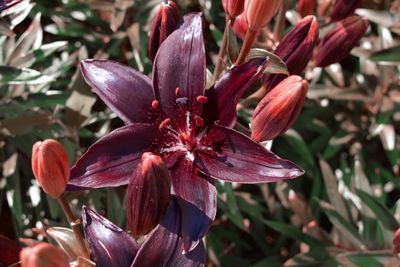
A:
[(306, 7), (396, 241), (339, 41), (295, 50), (148, 194), (233, 8), (43, 255), (279, 109), (9, 251), (341, 9), (164, 23), (260, 12), (50, 166), (240, 26)]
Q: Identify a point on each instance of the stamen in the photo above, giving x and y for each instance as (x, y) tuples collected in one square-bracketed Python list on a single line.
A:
[(155, 104), (198, 121), (178, 91), (164, 123), (202, 99)]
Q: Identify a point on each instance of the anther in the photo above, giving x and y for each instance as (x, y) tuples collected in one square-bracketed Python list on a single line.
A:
[(164, 123), (198, 121), (202, 99), (155, 104), (178, 91)]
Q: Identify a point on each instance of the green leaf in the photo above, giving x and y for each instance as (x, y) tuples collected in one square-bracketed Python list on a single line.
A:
[(275, 65), (382, 214), (12, 75), (295, 233), (391, 54)]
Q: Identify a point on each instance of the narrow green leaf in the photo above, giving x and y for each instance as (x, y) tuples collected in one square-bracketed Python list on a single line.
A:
[(275, 65)]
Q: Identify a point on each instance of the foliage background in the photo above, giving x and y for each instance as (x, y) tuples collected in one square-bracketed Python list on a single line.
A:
[(343, 211)]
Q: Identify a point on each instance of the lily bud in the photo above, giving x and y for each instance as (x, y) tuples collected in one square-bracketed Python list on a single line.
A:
[(306, 7), (260, 12), (295, 50), (239, 26), (233, 8), (339, 41), (43, 255), (396, 241), (341, 9), (148, 194), (279, 109), (50, 166), (164, 23)]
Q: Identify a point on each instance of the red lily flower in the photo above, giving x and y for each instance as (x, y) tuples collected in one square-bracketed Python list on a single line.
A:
[(110, 246), (176, 119)]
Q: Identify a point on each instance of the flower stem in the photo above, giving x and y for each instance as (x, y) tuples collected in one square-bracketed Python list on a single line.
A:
[(280, 21), (251, 35), (72, 221), (222, 49)]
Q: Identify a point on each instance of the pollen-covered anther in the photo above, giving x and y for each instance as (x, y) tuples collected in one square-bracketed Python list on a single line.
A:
[(202, 99), (164, 123), (198, 121), (155, 104), (178, 91)]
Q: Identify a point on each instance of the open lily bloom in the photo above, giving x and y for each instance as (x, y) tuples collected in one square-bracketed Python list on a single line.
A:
[(189, 128), (112, 247)]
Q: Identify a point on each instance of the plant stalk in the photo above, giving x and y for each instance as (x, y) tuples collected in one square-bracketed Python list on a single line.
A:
[(251, 35), (72, 221), (222, 49)]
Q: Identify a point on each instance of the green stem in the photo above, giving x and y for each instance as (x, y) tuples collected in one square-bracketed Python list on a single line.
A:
[(72, 221), (222, 49)]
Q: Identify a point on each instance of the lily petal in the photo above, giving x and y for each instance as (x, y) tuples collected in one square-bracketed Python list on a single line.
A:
[(9, 251), (225, 94), (197, 197), (127, 92), (111, 160), (110, 245), (236, 158), (180, 62), (4, 4), (163, 248)]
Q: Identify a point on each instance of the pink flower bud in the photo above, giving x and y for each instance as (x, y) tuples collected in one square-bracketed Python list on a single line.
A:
[(260, 12), (396, 241), (43, 255), (295, 50), (306, 7), (240, 26), (50, 166), (279, 109), (164, 23), (233, 7), (341, 9), (148, 194), (339, 41)]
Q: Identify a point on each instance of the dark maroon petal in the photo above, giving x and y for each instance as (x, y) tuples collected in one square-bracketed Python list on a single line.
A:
[(163, 248), (237, 158), (4, 4), (127, 92), (111, 160), (343, 8), (180, 62), (225, 94), (9, 251), (109, 244), (197, 199)]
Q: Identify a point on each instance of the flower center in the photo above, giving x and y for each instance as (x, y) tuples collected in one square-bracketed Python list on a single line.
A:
[(186, 127)]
